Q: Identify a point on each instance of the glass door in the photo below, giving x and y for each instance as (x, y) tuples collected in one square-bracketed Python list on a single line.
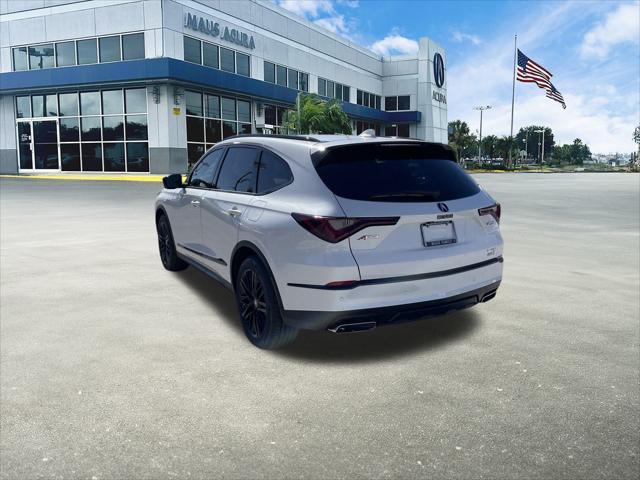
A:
[(45, 145), (25, 146)]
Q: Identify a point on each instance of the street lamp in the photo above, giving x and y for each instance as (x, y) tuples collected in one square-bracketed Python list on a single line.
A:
[(542, 149), (482, 109)]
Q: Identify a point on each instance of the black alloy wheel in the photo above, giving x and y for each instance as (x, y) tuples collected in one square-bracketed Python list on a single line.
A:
[(167, 248), (258, 305)]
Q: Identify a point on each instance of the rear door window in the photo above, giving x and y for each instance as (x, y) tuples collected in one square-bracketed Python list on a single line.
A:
[(204, 172), (238, 171), (273, 172), (394, 172)]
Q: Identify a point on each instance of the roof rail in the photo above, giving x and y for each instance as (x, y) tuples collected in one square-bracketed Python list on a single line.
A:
[(305, 138)]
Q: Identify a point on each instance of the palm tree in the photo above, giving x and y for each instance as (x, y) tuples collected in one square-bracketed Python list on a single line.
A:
[(315, 115)]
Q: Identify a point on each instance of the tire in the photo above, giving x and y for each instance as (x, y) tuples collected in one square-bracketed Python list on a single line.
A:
[(258, 307), (167, 247)]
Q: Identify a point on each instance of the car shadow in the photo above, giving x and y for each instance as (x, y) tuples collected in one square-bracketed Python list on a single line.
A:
[(324, 347)]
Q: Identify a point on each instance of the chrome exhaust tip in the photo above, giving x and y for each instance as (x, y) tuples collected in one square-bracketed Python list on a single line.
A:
[(353, 327), (488, 296)]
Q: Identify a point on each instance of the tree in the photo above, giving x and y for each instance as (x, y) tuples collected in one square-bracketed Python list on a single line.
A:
[(502, 147), (489, 146), (636, 136), (317, 116), (461, 140), (527, 136), (575, 153)]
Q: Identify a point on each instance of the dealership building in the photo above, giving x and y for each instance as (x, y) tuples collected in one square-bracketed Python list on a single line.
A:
[(148, 85)]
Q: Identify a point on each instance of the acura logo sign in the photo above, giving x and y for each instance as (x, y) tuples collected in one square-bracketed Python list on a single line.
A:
[(443, 207), (438, 70)]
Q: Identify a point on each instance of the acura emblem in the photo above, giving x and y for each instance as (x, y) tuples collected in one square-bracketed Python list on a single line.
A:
[(443, 207)]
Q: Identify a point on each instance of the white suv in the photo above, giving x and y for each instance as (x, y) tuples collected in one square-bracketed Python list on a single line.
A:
[(333, 232)]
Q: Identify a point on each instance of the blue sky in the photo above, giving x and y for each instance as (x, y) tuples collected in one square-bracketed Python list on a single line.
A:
[(591, 47)]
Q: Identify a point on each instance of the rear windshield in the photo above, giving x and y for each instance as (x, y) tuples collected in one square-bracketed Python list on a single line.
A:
[(394, 172)]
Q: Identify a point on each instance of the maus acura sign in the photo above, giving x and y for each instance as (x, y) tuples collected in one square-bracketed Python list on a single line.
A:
[(210, 27)]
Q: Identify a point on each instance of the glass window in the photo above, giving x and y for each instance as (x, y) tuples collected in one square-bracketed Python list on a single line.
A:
[(304, 82), (70, 157), (390, 103), (210, 55), (135, 100), (23, 107), (403, 130), (137, 127), (228, 109), (20, 59), (273, 172), (238, 172), (91, 157), (38, 106), (244, 111), (192, 51), (359, 97), (66, 54), (242, 61), (194, 152), (90, 103), (137, 157), (269, 114), (114, 157), (195, 129), (112, 102), (378, 102), (133, 46), (322, 87), (41, 56), (213, 130), (293, 79), (403, 102), (331, 93), (428, 172), (281, 75), (244, 128), (227, 61), (193, 102), (204, 172), (90, 129), (69, 130), (212, 106), (229, 129), (68, 104), (109, 49), (87, 51), (269, 72), (113, 128)]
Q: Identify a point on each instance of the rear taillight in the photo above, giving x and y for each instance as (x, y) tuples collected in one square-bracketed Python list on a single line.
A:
[(493, 210), (336, 229)]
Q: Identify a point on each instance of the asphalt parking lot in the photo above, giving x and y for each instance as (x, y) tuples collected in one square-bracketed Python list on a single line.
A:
[(112, 367)]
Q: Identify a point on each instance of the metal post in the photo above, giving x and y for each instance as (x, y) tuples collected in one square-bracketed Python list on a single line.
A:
[(482, 109), (513, 92)]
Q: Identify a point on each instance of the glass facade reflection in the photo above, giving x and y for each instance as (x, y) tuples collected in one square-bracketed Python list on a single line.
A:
[(93, 131)]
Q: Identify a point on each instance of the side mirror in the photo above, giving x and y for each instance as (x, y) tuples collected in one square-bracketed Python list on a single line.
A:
[(172, 181)]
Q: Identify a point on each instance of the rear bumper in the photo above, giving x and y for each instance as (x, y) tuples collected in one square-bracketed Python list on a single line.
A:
[(339, 321)]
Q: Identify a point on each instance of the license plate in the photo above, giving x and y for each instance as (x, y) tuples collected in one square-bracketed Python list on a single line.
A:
[(438, 233)]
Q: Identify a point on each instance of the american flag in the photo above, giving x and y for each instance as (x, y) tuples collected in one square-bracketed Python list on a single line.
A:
[(529, 71)]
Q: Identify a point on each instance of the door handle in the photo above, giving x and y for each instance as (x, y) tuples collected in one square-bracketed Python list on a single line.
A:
[(234, 212), (195, 203)]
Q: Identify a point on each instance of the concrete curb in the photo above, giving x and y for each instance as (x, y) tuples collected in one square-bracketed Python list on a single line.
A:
[(83, 177)]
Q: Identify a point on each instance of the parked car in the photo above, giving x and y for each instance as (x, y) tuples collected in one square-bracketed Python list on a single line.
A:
[(333, 232)]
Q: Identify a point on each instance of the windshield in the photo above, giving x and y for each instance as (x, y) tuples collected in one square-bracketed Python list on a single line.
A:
[(394, 172)]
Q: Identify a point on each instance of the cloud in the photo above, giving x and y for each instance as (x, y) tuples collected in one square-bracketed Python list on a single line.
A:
[(395, 44), (460, 37), (307, 8), (336, 24), (620, 26), (349, 3), (602, 103)]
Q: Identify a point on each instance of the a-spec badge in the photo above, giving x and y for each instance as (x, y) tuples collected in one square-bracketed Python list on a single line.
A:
[(445, 215)]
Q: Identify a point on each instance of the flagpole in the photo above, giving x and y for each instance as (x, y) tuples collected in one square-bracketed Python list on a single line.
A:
[(513, 94)]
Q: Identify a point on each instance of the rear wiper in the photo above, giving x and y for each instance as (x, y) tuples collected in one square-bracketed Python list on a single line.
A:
[(411, 193)]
